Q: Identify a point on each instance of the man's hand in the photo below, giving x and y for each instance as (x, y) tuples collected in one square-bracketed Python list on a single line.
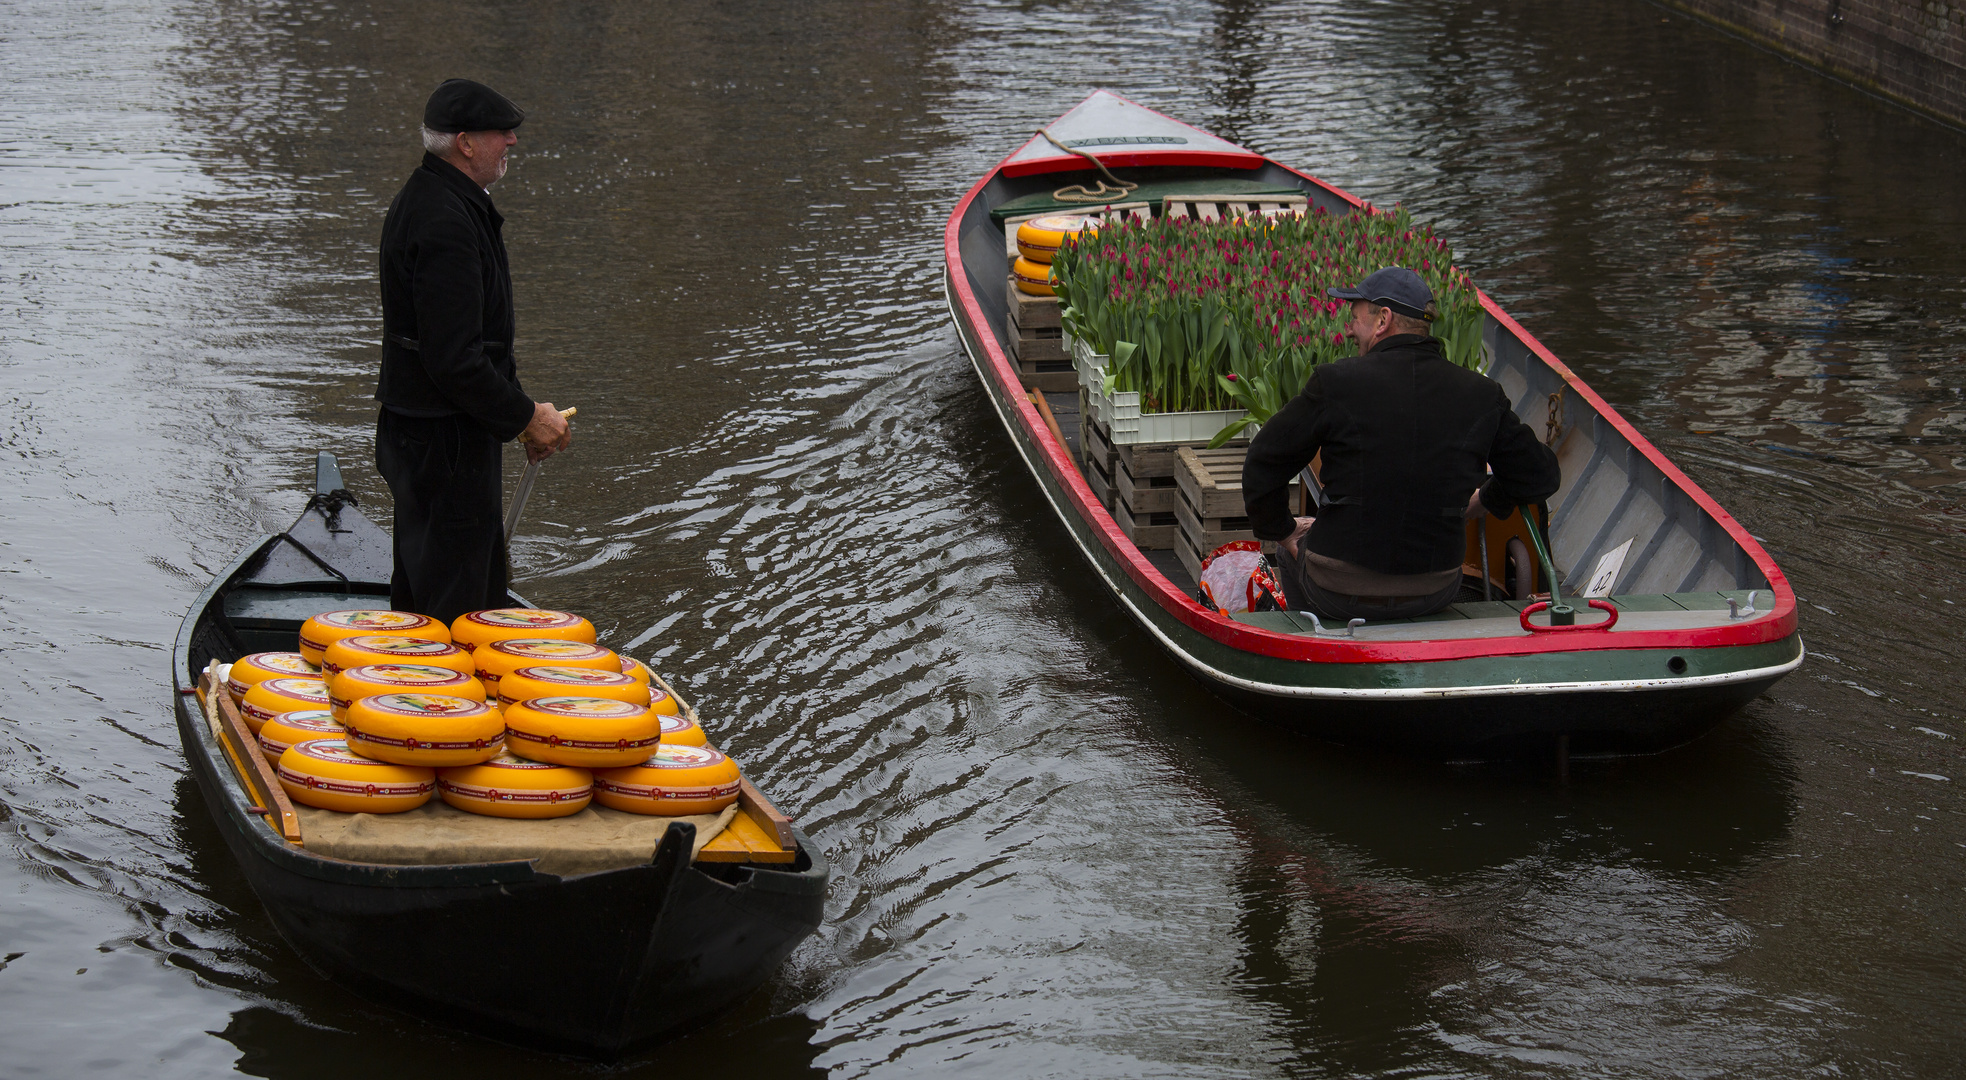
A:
[(1476, 511), (548, 434), (1289, 544)]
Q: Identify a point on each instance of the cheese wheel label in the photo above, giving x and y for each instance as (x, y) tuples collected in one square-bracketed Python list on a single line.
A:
[(550, 796), (306, 724), (411, 742), (547, 650), (292, 694), (523, 618), (646, 791), (395, 622), (290, 664), (374, 620), (575, 676), (682, 757), (400, 646), (426, 705), (605, 708)]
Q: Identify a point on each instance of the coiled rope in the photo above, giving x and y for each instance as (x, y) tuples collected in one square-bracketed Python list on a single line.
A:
[(1111, 189)]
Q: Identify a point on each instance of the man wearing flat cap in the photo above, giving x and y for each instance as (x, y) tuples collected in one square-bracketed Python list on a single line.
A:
[(1409, 439), (449, 389)]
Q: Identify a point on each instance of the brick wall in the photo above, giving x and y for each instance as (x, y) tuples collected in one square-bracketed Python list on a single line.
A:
[(1910, 51)]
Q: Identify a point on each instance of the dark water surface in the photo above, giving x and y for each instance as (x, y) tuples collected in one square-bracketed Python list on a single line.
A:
[(1056, 855)]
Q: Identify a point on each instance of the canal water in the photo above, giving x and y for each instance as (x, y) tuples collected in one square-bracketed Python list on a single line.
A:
[(1055, 854)]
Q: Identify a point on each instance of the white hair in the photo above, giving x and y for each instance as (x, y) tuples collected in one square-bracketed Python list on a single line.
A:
[(440, 143)]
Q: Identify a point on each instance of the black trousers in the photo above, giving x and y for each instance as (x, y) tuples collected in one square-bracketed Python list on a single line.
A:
[(450, 531), (1303, 593)]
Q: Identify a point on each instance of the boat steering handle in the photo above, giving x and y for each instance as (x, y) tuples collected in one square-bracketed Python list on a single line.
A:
[(1539, 605)]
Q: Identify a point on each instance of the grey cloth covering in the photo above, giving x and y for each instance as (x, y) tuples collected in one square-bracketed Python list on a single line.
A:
[(438, 833)]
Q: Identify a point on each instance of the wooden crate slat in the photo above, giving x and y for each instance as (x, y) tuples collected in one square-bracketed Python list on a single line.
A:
[(1141, 496), (1031, 312), (1146, 533), (1097, 449), (1027, 347), (1100, 483), (1211, 481), (1206, 538)]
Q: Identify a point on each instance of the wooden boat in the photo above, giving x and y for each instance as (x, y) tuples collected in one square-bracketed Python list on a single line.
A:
[(1700, 620), (594, 964)]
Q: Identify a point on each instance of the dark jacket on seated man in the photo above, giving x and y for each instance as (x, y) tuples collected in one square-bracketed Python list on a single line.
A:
[(1407, 436)]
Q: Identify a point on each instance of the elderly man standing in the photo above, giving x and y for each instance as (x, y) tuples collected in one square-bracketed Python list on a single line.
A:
[(1406, 435), (449, 389)]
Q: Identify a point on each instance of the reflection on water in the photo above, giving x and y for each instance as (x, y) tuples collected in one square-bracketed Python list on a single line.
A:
[(1056, 854)]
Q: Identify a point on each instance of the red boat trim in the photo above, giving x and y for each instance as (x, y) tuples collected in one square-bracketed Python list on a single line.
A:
[(1780, 624), (1068, 162)]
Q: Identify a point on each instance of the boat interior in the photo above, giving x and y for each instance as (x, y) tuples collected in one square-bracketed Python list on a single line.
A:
[(1619, 529)]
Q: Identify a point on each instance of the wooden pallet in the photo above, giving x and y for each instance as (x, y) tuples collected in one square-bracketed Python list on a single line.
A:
[(1100, 483), (1221, 207), (1095, 447), (1210, 509)]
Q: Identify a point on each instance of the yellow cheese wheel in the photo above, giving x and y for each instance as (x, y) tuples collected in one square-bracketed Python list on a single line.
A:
[(1039, 238), (675, 780), (271, 697), (248, 671), (327, 774), (393, 649), (682, 731), (637, 670), (369, 680), (1032, 278), (289, 728), (661, 701), (496, 658), (477, 628), (323, 630), (424, 729), (521, 684), (593, 733), (513, 787)]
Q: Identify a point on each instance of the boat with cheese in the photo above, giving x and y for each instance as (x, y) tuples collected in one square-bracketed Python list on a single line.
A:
[(1686, 618), (579, 943)]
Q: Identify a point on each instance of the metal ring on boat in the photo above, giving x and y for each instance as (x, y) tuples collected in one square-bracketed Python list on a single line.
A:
[(1539, 605)]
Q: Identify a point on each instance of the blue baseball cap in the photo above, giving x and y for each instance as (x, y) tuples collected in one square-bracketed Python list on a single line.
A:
[(1395, 287)]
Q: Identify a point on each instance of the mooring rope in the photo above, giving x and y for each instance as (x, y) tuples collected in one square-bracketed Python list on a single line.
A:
[(1117, 190)]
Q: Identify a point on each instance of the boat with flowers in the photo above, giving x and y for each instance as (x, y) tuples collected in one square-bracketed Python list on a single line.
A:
[(1628, 614)]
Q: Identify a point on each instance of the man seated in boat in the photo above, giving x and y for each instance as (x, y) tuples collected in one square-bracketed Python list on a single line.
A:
[(1406, 435)]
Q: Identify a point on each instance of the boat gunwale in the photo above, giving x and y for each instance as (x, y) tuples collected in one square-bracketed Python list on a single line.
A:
[(1778, 624)]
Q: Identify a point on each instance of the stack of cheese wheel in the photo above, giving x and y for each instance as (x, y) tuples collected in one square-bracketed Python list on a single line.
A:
[(591, 733), (249, 671), (325, 773), (514, 787), (393, 649), (475, 629), (674, 781), (299, 726), (682, 731), (433, 730), (494, 659), (323, 630), (271, 697), (1037, 241), (521, 684), (371, 679)]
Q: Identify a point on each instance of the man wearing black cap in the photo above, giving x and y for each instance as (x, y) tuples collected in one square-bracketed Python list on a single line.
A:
[(1408, 438), (450, 388)]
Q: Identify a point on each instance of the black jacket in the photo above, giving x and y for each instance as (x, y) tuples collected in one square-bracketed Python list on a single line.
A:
[(1406, 436), (447, 321)]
